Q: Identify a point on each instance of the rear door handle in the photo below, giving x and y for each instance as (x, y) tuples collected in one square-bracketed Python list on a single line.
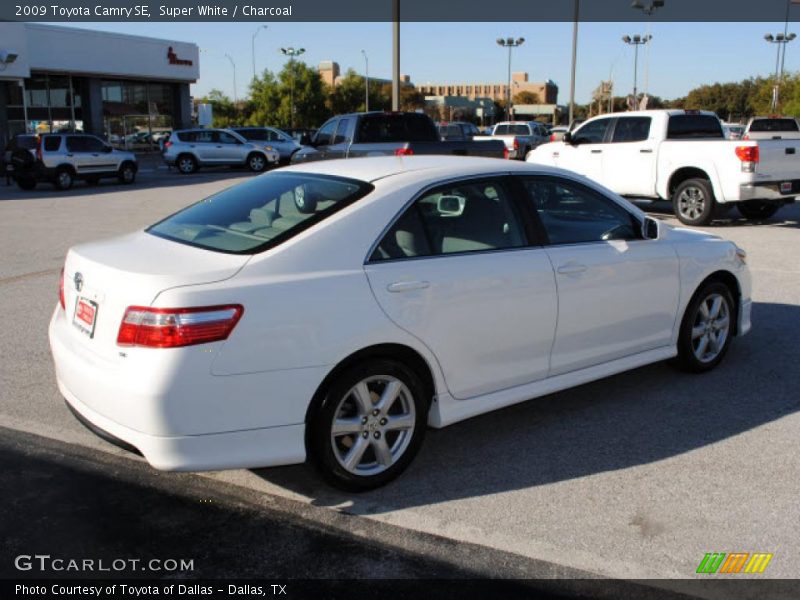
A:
[(597, 151), (572, 268), (407, 286), (646, 150)]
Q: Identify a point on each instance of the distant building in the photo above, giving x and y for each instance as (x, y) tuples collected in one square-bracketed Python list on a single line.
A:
[(331, 74), (546, 91)]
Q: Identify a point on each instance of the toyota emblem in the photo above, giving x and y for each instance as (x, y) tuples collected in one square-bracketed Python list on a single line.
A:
[(78, 280)]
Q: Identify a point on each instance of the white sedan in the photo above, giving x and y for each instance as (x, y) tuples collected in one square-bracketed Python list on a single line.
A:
[(331, 311)]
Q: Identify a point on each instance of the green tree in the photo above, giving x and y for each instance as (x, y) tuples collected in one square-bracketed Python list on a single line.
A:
[(526, 97), (223, 110), (271, 97)]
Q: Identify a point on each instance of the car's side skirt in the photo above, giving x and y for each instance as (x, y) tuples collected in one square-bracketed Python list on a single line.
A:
[(447, 410)]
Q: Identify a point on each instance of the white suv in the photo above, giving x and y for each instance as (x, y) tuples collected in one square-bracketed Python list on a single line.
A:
[(190, 149)]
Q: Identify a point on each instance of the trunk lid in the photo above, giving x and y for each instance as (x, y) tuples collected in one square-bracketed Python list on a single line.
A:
[(102, 279)]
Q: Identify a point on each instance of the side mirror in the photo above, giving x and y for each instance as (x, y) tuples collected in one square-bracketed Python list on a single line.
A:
[(567, 137), (107, 148), (306, 140), (451, 206), (650, 228)]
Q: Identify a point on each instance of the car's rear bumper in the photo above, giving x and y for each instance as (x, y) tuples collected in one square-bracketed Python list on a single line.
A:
[(770, 190)]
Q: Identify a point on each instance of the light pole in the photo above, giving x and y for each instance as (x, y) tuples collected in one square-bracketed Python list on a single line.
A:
[(509, 43), (780, 40), (636, 41), (233, 64), (366, 80), (292, 53), (648, 8), (253, 47), (574, 62)]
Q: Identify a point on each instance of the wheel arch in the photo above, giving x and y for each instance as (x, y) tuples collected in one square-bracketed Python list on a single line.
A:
[(732, 283), (400, 352)]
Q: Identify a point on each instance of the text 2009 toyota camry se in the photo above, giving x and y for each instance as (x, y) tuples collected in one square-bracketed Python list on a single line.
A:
[(332, 311)]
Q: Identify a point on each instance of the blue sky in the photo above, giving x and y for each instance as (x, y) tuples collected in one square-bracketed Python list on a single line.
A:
[(681, 55)]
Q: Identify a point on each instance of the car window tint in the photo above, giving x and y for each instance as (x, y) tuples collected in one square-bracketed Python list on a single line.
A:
[(256, 135), (52, 143), (774, 125), (341, 132), (94, 144), (572, 213), (464, 217), (203, 136), (261, 212), (591, 133), (501, 130), (631, 129), (325, 133), (77, 143), (227, 138), (519, 130), (683, 127)]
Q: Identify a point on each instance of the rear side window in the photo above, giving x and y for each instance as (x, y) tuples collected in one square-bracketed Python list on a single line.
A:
[(258, 135), (260, 213), (631, 129), (685, 127), (185, 136), (403, 127), (774, 125), (469, 216), (52, 143)]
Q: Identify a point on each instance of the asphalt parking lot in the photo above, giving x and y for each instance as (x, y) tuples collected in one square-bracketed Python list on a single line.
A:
[(635, 476)]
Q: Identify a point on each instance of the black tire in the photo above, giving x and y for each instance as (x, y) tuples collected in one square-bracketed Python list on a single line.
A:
[(26, 183), (304, 199), (694, 203), (127, 173), (63, 179), (687, 359), (325, 452), (757, 210), (257, 162), (186, 164)]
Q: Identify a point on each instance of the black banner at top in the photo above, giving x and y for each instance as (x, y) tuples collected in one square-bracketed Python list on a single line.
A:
[(410, 10)]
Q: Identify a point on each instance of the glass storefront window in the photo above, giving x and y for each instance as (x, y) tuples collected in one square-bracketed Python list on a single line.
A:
[(138, 115)]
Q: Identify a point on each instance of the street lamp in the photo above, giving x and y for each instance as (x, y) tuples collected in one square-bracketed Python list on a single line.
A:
[(509, 43), (233, 64), (647, 8), (636, 41), (253, 47), (366, 79), (292, 53), (780, 40)]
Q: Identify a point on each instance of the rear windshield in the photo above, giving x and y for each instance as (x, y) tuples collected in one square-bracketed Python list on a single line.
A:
[(404, 127), (774, 125), (684, 127), (28, 142), (260, 213), (519, 130)]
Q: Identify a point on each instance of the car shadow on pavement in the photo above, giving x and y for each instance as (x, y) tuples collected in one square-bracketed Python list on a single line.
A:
[(635, 418)]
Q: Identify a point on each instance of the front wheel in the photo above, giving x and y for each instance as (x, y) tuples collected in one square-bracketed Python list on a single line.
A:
[(127, 173), (706, 329), (693, 202), (369, 426), (64, 179), (256, 162), (757, 210)]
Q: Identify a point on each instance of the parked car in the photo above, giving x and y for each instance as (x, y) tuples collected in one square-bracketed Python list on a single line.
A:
[(733, 131), (62, 158), (457, 131), (681, 156), (271, 138), (772, 128), (557, 133), (459, 286), (519, 137), (20, 143), (191, 149), (378, 134)]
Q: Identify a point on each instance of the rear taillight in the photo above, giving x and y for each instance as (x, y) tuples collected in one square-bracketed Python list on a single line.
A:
[(38, 147), (61, 298), (506, 153), (175, 327), (552, 137), (749, 156), (167, 144), (516, 144), (404, 152)]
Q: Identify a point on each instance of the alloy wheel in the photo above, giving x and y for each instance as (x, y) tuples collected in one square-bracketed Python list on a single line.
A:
[(186, 165), (692, 203), (373, 425), (257, 163), (711, 328)]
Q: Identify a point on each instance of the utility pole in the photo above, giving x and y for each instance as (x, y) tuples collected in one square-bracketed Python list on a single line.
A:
[(253, 47), (233, 65), (366, 81), (574, 61), (636, 41), (291, 53), (396, 55), (780, 40), (509, 43)]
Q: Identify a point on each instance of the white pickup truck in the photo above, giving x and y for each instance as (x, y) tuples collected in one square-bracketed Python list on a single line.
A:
[(520, 137), (681, 156)]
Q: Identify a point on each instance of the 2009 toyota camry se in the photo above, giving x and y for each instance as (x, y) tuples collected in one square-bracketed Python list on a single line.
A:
[(332, 311)]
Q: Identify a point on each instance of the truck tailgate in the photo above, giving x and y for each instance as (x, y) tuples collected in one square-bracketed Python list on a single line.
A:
[(778, 160)]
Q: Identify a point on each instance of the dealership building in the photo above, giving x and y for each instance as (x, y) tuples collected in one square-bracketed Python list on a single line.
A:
[(118, 86)]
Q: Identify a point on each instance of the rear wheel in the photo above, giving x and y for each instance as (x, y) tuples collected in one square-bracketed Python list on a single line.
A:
[(693, 202), (756, 210), (256, 162), (26, 183), (64, 179), (127, 173), (369, 426), (706, 329), (186, 164)]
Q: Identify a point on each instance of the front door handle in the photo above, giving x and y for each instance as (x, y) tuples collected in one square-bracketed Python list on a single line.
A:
[(572, 268), (597, 151), (646, 150), (407, 286)]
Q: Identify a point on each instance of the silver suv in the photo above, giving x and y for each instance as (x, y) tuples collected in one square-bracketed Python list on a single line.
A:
[(61, 158), (190, 149)]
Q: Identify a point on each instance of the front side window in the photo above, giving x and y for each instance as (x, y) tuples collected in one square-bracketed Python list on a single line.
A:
[(592, 133), (572, 214), (260, 213), (84, 143), (341, 132), (227, 138), (631, 129), (325, 133), (468, 216)]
